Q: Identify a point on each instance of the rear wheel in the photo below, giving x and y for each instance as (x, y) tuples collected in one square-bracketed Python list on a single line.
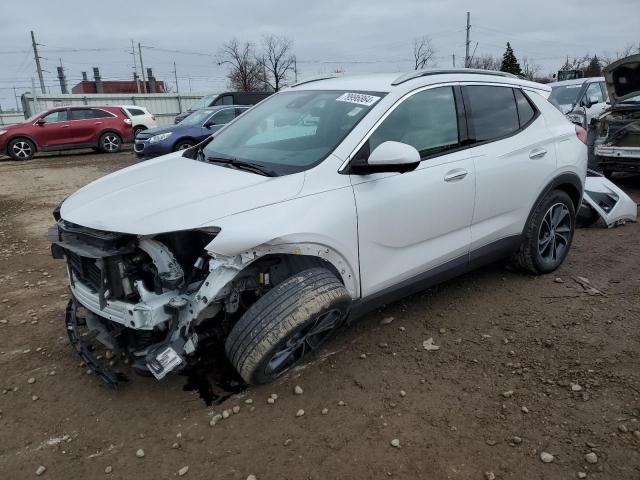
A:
[(548, 233), (110, 142), (21, 149), (287, 324), (138, 129), (183, 145)]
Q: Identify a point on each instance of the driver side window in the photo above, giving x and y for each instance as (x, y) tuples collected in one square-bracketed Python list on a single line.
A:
[(59, 116), (427, 121), (224, 116), (594, 90)]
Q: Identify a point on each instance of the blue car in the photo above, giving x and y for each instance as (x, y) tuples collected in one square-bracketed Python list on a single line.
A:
[(192, 130)]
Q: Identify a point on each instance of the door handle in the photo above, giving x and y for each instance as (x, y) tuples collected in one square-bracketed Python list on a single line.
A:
[(455, 175), (98, 123), (537, 153), (64, 126)]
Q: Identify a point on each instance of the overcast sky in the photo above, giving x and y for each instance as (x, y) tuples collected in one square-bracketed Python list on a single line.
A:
[(354, 36)]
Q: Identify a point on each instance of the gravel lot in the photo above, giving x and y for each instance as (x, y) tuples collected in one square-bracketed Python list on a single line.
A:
[(528, 370)]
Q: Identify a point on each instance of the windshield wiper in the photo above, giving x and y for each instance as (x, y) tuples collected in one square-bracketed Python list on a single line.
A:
[(242, 165)]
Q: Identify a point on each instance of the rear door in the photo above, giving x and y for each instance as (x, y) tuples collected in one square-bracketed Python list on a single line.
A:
[(514, 156), (413, 224), (56, 130), (81, 125)]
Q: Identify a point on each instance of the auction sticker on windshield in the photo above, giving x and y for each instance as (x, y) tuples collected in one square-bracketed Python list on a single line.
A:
[(358, 98)]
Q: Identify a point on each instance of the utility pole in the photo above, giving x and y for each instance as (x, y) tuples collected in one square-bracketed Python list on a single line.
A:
[(15, 95), (468, 41), (38, 66), (144, 80), (453, 57), (135, 66), (175, 75), (295, 69)]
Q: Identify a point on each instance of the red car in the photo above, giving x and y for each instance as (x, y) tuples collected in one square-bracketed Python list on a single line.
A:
[(66, 128)]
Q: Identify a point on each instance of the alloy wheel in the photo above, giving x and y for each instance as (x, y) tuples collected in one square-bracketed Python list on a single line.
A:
[(555, 233), (22, 149), (111, 143), (304, 341)]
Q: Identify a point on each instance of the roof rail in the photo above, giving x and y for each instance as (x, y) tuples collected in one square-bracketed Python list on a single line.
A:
[(314, 79), (423, 73)]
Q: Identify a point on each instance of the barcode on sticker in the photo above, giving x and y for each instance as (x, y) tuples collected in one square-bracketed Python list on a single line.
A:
[(358, 98), (169, 360)]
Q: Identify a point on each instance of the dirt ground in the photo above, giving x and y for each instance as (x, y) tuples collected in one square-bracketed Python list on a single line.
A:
[(526, 365)]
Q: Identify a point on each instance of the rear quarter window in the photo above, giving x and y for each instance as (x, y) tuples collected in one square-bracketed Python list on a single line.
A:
[(526, 112), (491, 111)]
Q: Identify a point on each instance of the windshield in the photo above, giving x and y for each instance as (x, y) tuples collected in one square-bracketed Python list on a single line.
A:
[(202, 103), (565, 94), (197, 118), (292, 131)]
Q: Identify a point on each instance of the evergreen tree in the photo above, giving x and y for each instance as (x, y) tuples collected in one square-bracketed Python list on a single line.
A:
[(593, 69), (510, 62)]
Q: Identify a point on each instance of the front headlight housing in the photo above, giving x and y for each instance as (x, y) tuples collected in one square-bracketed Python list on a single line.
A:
[(160, 137)]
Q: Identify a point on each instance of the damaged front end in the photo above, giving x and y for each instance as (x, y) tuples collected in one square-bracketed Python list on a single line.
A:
[(617, 130), (141, 299)]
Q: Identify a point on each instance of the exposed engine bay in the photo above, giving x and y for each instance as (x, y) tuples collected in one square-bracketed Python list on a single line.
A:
[(617, 139), (154, 302)]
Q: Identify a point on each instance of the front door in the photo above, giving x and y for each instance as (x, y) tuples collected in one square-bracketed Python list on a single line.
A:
[(414, 223), (55, 130)]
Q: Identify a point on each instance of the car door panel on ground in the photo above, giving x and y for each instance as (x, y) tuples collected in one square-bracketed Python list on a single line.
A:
[(55, 130), (413, 222), (513, 158)]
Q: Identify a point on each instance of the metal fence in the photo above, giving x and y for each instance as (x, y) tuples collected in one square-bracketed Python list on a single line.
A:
[(165, 106), (12, 117)]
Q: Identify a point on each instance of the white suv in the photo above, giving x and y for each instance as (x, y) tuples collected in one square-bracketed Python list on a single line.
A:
[(141, 118), (322, 202)]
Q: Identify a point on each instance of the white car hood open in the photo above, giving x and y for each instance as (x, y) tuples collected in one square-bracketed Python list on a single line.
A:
[(173, 193), (623, 78)]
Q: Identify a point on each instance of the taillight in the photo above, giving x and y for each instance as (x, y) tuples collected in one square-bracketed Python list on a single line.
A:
[(153, 117), (581, 133), (127, 121)]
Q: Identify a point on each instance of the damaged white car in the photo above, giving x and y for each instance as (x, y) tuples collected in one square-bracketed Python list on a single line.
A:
[(324, 201), (617, 130)]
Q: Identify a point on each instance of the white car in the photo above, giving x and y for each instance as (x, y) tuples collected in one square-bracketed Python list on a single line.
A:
[(141, 118), (580, 99), (324, 201)]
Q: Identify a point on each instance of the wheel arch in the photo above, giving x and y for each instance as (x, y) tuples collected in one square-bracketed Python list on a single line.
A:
[(569, 183), (182, 139), (19, 136), (110, 130)]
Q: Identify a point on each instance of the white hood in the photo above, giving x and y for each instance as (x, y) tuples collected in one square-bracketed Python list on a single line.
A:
[(623, 78), (173, 193)]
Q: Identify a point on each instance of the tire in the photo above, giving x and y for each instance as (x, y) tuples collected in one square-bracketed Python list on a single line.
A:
[(608, 174), (183, 145), (286, 324), (110, 142), (138, 129), (545, 245), (586, 216), (21, 149)]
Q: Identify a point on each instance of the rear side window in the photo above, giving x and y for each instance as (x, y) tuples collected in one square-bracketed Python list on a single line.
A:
[(134, 112), (525, 109), (97, 113), (80, 114), (224, 100), (491, 111), (426, 121)]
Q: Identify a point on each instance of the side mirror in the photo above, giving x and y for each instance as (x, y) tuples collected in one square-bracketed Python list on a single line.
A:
[(590, 101), (40, 121), (390, 157)]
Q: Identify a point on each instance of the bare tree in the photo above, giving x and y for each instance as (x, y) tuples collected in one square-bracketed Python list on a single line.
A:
[(245, 74), (277, 60), (627, 50), (423, 52), (530, 69), (485, 62)]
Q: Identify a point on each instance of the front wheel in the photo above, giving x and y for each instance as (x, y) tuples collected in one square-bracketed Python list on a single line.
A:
[(286, 324), (183, 145), (110, 142), (548, 233), (21, 149)]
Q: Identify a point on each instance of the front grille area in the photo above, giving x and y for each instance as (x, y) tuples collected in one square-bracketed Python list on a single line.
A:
[(85, 270)]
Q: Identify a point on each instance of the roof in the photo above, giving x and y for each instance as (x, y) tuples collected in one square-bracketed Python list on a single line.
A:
[(386, 82), (576, 81)]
